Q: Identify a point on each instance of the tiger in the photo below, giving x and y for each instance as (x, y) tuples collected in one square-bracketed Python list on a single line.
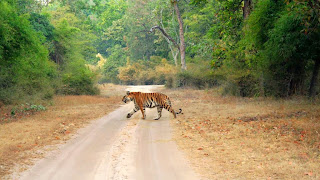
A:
[(149, 100)]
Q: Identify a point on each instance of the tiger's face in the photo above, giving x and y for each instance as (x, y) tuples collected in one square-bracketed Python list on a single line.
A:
[(127, 98)]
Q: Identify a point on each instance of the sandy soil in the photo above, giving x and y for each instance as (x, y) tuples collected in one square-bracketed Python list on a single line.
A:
[(114, 147), (227, 137)]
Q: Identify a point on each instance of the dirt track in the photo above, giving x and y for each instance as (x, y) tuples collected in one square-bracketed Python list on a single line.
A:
[(115, 147)]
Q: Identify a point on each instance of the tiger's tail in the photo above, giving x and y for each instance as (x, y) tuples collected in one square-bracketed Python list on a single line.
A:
[(180, 111), (170, 109)]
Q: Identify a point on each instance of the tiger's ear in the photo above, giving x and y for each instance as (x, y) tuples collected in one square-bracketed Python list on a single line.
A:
[(128, 92)]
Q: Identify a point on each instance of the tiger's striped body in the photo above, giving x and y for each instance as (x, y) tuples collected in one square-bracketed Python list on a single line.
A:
[(149, 100)]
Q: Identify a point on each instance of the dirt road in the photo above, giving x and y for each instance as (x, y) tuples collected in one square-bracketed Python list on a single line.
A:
[(115, 147)]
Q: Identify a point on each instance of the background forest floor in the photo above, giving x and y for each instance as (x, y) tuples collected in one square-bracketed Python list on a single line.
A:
[(22, 138), (224, 137), (244, 138)]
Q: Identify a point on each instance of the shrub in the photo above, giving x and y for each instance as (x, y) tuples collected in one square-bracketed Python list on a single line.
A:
[(150, 73), (76, 77), (25, 71), (198, 75), (79, 83), (26, 109)]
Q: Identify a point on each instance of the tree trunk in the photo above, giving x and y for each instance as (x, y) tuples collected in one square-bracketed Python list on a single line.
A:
[(314, 79), (173, 52), (181, 34), (247, 8)]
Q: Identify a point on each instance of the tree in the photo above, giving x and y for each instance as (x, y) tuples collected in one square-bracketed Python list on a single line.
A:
[(247, 8), (25, 71), (181, 47), (169, 39), (181, 35)]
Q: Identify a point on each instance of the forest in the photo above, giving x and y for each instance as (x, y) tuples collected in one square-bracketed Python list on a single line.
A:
[(248, 48)]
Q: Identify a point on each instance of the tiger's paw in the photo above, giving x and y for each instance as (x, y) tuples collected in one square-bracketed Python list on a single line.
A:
[(129, 115)]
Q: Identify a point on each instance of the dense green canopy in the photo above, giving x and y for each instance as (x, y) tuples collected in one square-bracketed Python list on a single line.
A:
[(248, 47)]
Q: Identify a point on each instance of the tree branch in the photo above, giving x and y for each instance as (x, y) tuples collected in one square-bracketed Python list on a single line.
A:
[(165, 34)]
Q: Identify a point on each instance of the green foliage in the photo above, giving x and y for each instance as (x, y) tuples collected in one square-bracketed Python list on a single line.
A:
[(79, 82), (42, 25), (256, 31), (139, 18), (288, 51), (154, 72), (25, 72), (116, 59), (27, 109), (76, 77), (198, 2), (201, 27), (274, 51), (200, 76), (114, 11), (34, 107)]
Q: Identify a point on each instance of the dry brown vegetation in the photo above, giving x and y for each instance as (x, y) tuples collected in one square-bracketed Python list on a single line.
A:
[(242, 138), (23, 136), (224, 137)]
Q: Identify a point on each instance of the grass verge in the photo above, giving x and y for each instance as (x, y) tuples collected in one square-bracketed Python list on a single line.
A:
[(244, 138), (24, 136)]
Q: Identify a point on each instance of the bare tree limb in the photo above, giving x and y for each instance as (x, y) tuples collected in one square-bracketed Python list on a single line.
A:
[(165, 34)]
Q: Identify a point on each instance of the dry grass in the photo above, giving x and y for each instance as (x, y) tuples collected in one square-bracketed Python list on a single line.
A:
[(224, 137), (241, 138), (23, 136)]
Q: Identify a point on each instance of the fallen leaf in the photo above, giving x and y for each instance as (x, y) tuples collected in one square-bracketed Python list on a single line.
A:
[(308, 173), (200, 148)]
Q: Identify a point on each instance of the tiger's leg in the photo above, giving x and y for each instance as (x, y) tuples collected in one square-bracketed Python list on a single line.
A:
[(136, 108), (142, 111), (168, 102), (159, 109)]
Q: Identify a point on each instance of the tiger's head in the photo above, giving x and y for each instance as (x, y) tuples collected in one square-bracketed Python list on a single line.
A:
[(128, 97)]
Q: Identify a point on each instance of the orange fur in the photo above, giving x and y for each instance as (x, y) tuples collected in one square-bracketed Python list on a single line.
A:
[(143, 100)]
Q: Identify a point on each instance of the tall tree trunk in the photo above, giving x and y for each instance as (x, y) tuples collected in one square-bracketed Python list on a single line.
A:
[(173, 52), (181, 34), (314, 79), (247, 8)]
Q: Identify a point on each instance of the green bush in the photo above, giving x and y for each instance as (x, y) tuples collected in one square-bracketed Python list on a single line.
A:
[(26, 109), (198, 75), (76, 78), (80, 83), (25, 71), (170, 82), (155, 72)]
